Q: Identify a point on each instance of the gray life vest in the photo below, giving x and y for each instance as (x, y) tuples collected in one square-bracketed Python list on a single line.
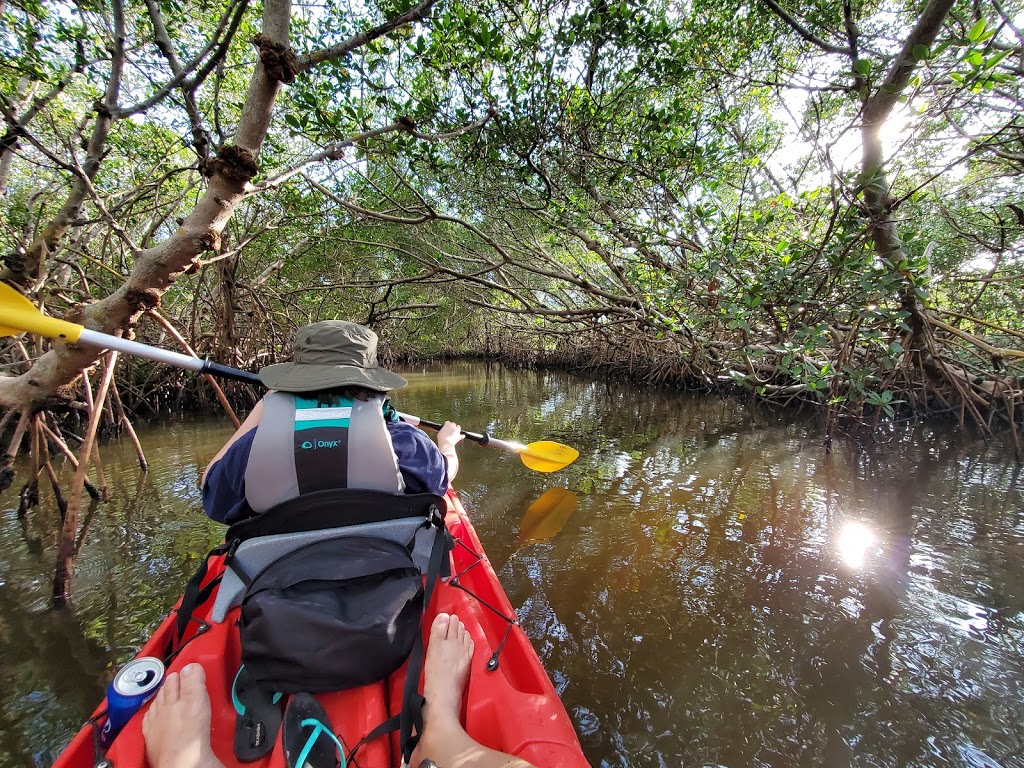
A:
[(301, 446)]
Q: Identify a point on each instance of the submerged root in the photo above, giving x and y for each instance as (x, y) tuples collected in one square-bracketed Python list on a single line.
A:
[(7, 473), (69, 542)]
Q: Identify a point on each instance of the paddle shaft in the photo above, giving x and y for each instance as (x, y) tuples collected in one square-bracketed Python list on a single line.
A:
[(476, 437), (166, 356), (204, 365), (18, 314)]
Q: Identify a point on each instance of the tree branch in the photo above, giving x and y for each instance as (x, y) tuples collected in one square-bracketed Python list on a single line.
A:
[(213, 54), (336, 150), (200, 136), (26, 268), (927, 28), (805, 33), (156, 268), (420, 13)]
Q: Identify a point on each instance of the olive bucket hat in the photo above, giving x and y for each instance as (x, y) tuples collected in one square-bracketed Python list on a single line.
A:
[(328, 354)]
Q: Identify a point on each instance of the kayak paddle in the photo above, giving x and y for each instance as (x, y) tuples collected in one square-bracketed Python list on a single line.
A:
[(18, 314), (541, 456)]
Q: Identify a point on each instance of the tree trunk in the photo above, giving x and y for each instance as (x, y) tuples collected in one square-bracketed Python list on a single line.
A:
[(158, 267), (877, 108)]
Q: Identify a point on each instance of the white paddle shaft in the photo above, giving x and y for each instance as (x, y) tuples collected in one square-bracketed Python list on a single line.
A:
[(106, 341)]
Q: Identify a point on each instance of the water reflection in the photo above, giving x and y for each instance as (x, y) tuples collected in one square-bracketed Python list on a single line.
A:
[(854, 543), (693, 608), (696, 613), (546, 516)]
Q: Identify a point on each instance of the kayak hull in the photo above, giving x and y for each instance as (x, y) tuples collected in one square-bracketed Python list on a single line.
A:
[(513, 708)]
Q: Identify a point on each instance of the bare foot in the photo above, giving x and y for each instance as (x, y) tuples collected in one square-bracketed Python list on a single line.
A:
[(446, 668), (177, 726), (445, 672)]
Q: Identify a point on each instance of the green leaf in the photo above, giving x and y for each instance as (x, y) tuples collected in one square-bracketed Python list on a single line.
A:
[(921, 52), (977, 30), (862, 67), (992, 61)]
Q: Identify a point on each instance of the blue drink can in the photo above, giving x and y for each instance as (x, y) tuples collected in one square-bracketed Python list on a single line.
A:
[(135, 684)]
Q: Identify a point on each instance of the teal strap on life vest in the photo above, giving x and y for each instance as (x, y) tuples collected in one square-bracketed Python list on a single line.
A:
[(310, 414), (321, 443)]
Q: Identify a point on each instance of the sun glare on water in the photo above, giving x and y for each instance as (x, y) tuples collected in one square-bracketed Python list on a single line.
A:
[(855, 541)]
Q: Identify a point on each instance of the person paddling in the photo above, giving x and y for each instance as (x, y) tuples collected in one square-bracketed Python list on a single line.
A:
[(324, 427), (326, 424)]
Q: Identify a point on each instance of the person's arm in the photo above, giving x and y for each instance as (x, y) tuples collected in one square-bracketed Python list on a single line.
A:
[(224, 485), (448, 437), (423, 466), (251, 422)]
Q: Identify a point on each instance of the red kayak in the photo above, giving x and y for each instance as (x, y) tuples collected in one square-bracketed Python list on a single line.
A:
[(513, 708)]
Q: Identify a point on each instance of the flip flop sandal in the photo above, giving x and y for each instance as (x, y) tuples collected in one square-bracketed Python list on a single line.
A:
[(308, 738), (259, 717)]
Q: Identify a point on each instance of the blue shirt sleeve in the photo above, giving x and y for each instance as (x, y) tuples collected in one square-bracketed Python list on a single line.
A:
[(423, 466), (224, 489)]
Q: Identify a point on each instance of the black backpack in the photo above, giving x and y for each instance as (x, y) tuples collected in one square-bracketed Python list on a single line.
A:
[(332, 615)]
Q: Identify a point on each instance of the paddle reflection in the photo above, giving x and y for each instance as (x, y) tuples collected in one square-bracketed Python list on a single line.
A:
[(546, 516)]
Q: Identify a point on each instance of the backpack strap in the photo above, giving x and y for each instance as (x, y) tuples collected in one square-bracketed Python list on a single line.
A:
[(388, 726), (412, 702), (195, 593)]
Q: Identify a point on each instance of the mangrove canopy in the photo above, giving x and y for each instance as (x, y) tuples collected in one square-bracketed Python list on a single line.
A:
[(817, 202)]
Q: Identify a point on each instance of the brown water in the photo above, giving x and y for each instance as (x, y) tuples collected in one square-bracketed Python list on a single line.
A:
[(724, 593)]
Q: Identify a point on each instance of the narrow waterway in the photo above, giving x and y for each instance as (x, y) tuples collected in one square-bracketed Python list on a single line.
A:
[(720, 593)]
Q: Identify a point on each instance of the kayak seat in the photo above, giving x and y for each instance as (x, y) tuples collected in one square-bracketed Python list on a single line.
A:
[(408, 519)]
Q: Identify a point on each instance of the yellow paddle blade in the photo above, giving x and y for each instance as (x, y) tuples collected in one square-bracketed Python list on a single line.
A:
[(547, 515), (546, 456), (18, 314)]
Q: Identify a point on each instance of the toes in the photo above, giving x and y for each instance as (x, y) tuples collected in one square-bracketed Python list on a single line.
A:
[(170, 691), (460, 633), (439, 627), (193, 680)]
